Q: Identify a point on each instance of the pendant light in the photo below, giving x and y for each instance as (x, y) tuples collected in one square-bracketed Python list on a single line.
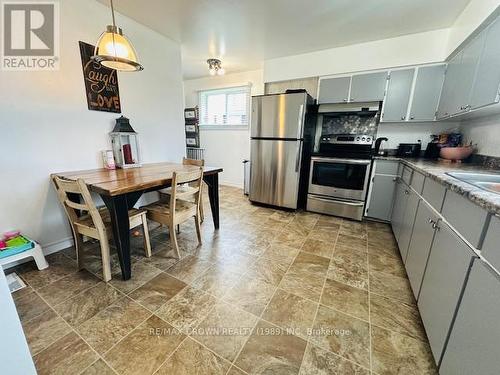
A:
[(215, 67), (114, 50)]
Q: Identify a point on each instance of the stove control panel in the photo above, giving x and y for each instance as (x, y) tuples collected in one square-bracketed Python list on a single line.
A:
[(348, 139)]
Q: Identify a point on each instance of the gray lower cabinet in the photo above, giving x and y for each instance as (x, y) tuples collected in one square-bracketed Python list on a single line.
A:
[(487, 81), (447, 269), (491, 245), (472, 348), (434, 193), (334, 90), (420, 245), (428, 85), (368, 87), (399, 207), (412, 200), (398, 95), (381, 197), (461, 212)]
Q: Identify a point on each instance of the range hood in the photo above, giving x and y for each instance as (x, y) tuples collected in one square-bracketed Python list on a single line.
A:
[(361, 107)]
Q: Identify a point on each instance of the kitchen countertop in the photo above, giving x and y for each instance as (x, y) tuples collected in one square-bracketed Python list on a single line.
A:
[(437, 170)]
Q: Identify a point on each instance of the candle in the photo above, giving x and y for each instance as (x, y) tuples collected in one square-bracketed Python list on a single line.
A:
[(127, 154)]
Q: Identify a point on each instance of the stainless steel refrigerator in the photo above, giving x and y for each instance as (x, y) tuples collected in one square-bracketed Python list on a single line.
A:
[(279, 133)]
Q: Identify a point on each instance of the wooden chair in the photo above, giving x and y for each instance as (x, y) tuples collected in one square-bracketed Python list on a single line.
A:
[(96, 223), (182, 205), (165, 193)]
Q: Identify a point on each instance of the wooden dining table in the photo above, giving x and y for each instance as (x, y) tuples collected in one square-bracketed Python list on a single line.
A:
[(120, 189)]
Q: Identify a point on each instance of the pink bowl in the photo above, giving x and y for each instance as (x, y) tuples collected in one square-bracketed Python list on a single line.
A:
[(456, 153)]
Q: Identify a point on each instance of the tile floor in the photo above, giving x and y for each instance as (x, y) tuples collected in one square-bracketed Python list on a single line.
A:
[(271, 292)]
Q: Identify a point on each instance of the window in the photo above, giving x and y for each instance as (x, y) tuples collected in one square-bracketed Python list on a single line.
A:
[(225, 107)]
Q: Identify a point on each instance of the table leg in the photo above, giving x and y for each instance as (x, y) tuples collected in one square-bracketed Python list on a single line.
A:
[(118, 209), (213, 194)]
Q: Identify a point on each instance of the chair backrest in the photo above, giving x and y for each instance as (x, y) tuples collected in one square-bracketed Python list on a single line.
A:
[(194, 178), (198, 163), (86, 204)]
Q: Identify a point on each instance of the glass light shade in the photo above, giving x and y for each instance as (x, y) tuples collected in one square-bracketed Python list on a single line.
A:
[(115, 51), (212, 71), (221, 72)]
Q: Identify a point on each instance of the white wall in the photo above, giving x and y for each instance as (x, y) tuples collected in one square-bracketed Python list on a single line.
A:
[(411, 49), (474, 14), (225, 148), (485, 132), (406, 132), (46, 126)]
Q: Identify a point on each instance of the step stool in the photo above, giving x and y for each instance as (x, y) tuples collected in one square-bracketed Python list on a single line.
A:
[(35, 253)]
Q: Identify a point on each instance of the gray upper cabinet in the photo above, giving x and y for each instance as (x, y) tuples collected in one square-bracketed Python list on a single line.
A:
[(398, 95), (447, 103), (456, 94), (428, 85), (420, 246), (473, 345), (467, 72), (368, 87), (447, 269), (334, 90), (487, 81)]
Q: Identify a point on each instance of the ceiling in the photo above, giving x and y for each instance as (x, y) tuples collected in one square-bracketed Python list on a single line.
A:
[(243, 33)]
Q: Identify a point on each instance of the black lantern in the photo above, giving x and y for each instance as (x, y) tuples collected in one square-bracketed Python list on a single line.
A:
[(125, 144)]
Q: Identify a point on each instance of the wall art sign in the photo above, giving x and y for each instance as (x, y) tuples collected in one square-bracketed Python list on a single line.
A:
[(101, 83)]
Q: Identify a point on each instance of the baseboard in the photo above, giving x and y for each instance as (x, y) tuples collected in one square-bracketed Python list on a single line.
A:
[(56, 246), (233, 184), (50, 248)]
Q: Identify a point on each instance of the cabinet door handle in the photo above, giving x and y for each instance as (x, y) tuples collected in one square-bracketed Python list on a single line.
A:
[(395, 179), (345, 100), (412, 118), (431, 221), (436, 227), (407, 192), (403, 117)]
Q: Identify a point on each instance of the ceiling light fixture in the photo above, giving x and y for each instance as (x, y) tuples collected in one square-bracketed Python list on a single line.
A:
[(114, 50), (215, 67)]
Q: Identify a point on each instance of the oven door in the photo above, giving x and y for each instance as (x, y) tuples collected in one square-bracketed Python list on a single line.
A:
[(339, 178)]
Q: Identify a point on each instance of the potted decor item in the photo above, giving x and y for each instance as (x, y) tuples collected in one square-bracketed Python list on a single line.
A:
[(125, 144), (454, 148)]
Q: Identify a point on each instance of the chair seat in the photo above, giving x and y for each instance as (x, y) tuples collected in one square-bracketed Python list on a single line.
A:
[(163, 208), (180, 190), (86, 220)]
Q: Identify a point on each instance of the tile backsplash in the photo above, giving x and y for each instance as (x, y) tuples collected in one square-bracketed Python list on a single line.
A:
[(349, 124)]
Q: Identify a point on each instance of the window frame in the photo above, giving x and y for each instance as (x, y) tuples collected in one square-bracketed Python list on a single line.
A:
[(245, 87)]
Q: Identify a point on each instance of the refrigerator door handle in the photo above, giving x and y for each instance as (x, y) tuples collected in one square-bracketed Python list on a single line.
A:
[(297, 157), (301, 115)]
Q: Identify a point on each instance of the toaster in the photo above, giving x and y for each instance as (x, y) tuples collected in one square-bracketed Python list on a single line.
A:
[(409, 150)]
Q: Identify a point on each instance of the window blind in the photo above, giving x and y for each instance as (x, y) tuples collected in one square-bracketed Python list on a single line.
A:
[(228, 106)]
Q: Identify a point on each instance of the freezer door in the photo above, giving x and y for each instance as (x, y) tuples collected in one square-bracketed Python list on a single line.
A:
[(274, 177), (278, 116)]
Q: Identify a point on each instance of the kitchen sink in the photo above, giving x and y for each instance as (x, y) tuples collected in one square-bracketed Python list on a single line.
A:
[(485, 181)]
